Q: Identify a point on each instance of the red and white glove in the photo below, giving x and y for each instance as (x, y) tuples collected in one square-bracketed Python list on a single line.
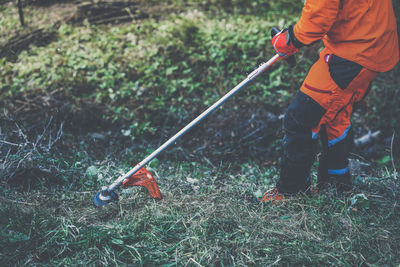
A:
[(283, 43)]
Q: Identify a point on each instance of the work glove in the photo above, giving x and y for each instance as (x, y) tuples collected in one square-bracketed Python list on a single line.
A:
[(285, 43)]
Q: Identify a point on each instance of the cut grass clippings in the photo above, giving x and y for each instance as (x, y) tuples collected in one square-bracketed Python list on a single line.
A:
[(205, 219)]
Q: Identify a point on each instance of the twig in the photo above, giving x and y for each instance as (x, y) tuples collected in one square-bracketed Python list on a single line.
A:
[(257, 130), (18, 202), (5, 159), (391, 155), (365, 139), (360, 157), (22, 160), (9, 143), (278, 259), (193, 260), (21, 133), (58, 136), (44, 131), (21, 14)]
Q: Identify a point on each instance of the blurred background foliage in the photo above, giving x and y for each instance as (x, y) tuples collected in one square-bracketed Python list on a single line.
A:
[(142, 70)]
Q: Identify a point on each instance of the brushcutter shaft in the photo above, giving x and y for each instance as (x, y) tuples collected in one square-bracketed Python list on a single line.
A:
[(141, 164)]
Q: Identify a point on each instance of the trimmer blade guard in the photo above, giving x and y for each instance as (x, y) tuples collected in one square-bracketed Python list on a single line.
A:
[(143, 178)]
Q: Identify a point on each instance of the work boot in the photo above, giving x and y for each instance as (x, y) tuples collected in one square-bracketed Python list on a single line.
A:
[(341, 182), (271, 196)]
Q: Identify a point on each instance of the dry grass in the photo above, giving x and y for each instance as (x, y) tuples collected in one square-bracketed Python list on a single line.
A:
[(207, 216), (204, 223)]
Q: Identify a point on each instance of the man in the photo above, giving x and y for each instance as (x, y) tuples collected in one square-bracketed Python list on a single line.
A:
[(360, 39)]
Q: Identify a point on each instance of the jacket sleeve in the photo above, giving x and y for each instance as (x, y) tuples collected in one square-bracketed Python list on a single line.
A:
[(316, 19)]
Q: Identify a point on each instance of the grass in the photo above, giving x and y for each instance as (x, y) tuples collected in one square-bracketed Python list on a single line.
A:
[(206, 218)]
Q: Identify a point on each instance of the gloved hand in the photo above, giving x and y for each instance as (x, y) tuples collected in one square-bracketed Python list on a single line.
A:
[(284, 42)]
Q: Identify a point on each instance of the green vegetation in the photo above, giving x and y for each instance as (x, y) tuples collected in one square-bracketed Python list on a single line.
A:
[(182, 61), (95, 99)]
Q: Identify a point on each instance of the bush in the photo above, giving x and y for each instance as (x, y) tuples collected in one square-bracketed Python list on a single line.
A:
[(142, 71)]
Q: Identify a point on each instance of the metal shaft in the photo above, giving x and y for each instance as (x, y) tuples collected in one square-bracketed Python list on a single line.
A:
[(263, 67)]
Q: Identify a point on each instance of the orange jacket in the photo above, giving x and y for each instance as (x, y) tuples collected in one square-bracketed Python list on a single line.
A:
[(363, 31)]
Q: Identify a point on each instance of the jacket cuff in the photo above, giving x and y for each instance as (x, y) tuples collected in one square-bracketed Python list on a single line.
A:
[(293, 38)]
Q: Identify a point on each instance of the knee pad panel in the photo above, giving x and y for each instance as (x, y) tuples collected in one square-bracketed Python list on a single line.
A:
[(303, 114)]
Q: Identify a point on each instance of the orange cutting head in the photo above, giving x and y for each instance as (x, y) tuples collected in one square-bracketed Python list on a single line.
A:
[(143, 178)]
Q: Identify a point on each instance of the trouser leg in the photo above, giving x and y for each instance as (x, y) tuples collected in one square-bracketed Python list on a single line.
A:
[(326, 97), (336, 84), (299, 147), (333, 166)]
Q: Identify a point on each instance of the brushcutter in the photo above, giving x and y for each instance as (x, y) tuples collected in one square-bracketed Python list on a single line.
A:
[(139, 176)]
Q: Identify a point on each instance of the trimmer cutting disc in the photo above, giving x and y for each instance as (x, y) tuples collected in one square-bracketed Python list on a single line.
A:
[(104, 197)]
